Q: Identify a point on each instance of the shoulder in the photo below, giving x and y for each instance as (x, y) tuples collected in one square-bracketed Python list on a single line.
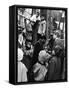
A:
[(34, 16)]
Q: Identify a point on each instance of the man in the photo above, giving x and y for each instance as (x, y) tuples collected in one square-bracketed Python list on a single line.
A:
[(42, 28), (54, 24), (35, 19)]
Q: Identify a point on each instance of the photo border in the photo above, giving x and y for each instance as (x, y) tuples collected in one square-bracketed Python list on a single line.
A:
[(16, 37)]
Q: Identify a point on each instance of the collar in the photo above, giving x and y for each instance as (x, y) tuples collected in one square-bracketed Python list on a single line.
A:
[(41, 63)]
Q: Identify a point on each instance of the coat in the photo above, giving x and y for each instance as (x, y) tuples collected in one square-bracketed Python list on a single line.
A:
[(54, 69)]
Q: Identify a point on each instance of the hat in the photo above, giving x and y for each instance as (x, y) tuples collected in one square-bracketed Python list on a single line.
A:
[(43, 56), (20, 54)]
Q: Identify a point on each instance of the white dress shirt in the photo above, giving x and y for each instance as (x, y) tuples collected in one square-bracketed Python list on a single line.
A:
[(42, 27)]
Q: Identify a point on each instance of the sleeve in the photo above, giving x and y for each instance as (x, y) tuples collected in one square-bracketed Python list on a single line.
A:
[(33, 18)]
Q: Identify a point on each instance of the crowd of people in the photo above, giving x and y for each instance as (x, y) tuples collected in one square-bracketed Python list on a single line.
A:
[(41, 60)]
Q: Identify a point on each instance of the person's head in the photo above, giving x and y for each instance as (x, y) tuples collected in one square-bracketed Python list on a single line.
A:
[(37, 12), (56, 34), (43, 56), (42, 18), (51, 35)]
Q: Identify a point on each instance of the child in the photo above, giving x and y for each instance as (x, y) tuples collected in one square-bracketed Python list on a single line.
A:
[(40, 68)]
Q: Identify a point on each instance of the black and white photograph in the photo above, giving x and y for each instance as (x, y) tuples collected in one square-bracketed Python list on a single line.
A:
[(41, 45)]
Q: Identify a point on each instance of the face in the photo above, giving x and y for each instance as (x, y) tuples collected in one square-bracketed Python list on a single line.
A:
[(37, 13), (42, 18)]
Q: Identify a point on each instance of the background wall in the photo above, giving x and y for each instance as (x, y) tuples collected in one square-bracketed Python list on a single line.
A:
[(4, 44)]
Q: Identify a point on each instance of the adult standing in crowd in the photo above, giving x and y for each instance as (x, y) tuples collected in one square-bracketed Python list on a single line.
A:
[(35, 19), (42, 28)]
